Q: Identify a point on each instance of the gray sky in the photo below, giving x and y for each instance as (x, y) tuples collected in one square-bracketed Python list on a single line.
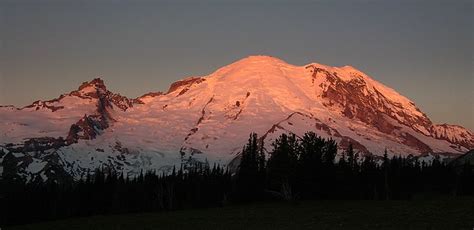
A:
[(422, 49)]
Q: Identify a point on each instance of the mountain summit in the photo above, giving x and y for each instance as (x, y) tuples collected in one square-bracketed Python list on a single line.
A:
[(209, 118)]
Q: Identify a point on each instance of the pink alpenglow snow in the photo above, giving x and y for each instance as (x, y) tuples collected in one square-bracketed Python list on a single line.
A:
[(208, 119)]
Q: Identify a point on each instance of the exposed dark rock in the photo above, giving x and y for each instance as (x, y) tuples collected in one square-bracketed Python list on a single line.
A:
[(370, 109), (87, 128), (415, 143), (96, 82), (346, 141), (464, 138), (370, 106), (151, 94), (186, 83)]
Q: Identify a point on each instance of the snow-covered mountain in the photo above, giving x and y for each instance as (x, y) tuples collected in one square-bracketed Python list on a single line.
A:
[(209, 118)]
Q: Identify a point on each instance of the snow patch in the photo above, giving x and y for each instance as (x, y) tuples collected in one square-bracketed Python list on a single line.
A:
[(36, 166), (17, 155)]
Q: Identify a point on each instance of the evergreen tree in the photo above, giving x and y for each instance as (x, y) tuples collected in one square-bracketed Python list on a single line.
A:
[(282, 165), (310, 153), (249, 178)]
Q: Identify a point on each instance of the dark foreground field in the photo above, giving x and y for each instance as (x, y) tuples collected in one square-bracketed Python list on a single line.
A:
[(421, 214)]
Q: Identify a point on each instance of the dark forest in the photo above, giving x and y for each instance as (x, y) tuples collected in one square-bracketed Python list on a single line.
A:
[(296, 170)]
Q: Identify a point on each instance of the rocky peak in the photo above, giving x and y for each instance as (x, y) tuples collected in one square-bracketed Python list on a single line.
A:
[(92, 89), (96, 89), (95, 83)]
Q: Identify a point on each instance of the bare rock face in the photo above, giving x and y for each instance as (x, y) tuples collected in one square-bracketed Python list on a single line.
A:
[(358, 101), (88, 128), (96, 89), (369, 106), (414, 142), (95, 83), (120, 101), (44, 104), (150, 94), (184, 85), (454, 134)]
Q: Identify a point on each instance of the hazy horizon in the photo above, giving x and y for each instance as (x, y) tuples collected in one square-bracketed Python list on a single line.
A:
[(422, 49)]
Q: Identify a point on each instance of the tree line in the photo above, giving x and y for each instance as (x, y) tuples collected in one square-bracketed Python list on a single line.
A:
[(297, 169), (300, 168)]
